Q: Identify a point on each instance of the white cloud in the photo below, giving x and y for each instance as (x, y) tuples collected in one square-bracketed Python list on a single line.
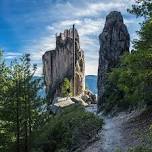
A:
[(96, 8), (38, 48), (70, 22), (12, 55), (91, 68), (89, 20), (39, 71), (90, 26), (85, 8)]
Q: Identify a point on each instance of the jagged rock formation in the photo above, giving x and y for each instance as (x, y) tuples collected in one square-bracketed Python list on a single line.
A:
[(89, 97), (58, 64), (114, 41)]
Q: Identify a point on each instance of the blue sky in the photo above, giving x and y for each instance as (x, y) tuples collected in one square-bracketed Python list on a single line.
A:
[(29, 26)]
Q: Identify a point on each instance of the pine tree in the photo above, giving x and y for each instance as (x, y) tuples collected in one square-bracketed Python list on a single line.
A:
[(20, 104)]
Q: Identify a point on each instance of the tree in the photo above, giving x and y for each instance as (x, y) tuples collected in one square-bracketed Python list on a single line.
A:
[(6, 136), (133, 77), (142, 8), (20, 104)]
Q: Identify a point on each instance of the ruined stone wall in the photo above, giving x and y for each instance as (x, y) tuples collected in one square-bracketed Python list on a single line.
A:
[(58, 64)]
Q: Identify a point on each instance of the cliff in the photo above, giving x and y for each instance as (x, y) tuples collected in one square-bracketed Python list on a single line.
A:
[(114, 41), (59, 64)]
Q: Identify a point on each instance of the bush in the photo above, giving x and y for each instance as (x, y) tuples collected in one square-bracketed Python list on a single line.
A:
[(68, 130), (129, 85), (137, 149), (140, 149), (147, 147), (66, 88)]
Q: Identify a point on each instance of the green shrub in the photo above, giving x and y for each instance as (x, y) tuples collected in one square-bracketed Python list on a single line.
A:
[(133, 76), (147, 147), (68, 130), (66, 88), (137, 149), (140, 149)]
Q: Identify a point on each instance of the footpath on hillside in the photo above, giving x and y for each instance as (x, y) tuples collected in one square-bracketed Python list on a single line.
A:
[(120, 132)]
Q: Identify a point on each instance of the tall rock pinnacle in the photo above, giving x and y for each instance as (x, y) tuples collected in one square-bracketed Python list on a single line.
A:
[(114, 41), (58, 64)]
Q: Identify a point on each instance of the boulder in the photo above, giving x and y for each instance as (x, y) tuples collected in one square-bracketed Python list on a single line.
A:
[(60, 103), (89, 97), (64, 102), (78, 100)]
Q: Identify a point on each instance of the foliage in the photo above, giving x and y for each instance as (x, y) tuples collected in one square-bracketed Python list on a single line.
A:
[(68, 130), (114, 98), (144, 148), (140, 149), (142, 8), (145, 35), (19, 104), (137, 149), (134, 77), (24, 126), (66, 88), (130, 83)]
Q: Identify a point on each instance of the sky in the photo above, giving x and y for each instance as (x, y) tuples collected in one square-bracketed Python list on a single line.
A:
[(29, 26)]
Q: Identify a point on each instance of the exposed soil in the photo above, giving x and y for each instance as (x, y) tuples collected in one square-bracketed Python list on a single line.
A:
[(122, 131)]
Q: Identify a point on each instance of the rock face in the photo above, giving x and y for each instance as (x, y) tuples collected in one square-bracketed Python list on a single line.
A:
[(89, 97), (114, 41), (59, 64)]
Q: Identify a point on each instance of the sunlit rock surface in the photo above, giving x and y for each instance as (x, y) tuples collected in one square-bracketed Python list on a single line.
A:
[(58, 64)]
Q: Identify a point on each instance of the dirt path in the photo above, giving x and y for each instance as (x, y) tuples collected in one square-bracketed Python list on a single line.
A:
[(117, 132), (110, 137)]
